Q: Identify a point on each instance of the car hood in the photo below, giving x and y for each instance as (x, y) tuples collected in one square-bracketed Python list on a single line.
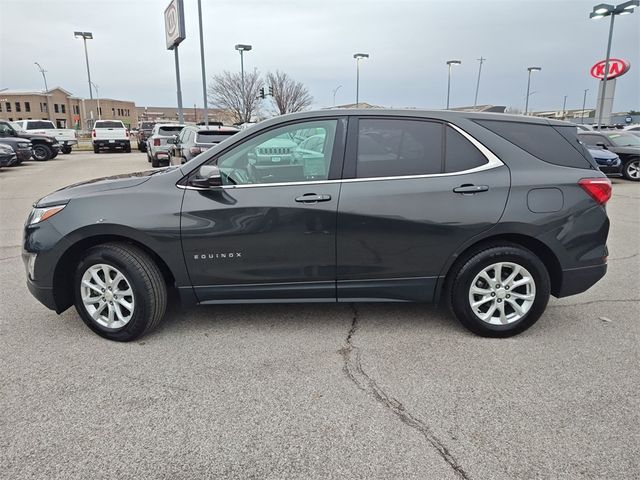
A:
[(96, 185), (602, 153), (33, 136), (626, 150)]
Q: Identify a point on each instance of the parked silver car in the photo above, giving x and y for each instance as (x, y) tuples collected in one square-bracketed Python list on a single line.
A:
[(158, 145)]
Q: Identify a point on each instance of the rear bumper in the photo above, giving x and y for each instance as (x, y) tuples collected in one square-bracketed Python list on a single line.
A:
[(578, 280), (610, 170), (111, 143)]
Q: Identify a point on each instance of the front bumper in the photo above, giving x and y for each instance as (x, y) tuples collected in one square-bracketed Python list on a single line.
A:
[(43, 294), (578, 280), (24, 154), (8, 160)]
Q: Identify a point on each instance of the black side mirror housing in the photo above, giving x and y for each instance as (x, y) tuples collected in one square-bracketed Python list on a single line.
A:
[(207, 176), (601, 145)]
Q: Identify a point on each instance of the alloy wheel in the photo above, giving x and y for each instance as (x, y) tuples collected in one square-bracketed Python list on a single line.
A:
[(633, 169), (502, 293), (107, 296)]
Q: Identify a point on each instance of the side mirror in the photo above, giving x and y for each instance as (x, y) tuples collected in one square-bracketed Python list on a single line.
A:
[(174, 140), (207, 176), (601, 145)]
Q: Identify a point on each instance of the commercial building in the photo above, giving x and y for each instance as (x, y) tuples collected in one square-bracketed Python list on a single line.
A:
[(63, 108), (190, 114)]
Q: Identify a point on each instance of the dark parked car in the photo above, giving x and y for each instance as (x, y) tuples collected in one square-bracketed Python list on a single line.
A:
[(21, 147), (8, 157), (624, 144), (44, 148), (144, 132), (608, 162), (193, 140), (402, 205)]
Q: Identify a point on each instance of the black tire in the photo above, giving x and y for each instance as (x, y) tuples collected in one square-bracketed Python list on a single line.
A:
[(66, 149), (467, 270), (146, 282), (127, 148), (42, 152), (155, 162), (631, 169), (142, 147)]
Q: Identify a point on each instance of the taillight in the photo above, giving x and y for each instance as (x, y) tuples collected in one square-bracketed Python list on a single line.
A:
[(195, 150), (598, 188), (126, 133), (156, 142), (93, 133)]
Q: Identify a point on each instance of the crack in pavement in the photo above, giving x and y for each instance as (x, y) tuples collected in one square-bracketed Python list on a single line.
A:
[(354, 371), (624, 258), (596, 301)]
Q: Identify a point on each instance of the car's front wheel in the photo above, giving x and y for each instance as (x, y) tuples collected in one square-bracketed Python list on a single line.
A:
[(42, 152), (631, 170), (500, 291), (66, 149), (119, 291)]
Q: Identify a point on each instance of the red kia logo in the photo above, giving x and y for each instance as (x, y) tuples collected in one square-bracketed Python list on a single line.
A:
[(617, 67)]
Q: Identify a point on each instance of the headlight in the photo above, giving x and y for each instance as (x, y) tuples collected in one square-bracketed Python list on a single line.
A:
[(5, 150), (41, 214), (24, 145)]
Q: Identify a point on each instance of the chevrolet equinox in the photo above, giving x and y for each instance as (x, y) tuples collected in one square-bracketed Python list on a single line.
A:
[(488, 213)]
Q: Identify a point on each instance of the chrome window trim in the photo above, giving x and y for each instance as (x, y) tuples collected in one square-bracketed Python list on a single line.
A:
[(492, 162)]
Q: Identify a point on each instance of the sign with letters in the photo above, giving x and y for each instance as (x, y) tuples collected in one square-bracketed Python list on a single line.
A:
[(174, 24), (617, 68)]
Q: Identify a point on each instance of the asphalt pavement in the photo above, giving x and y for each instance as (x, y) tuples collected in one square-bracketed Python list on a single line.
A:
[(375, 391)]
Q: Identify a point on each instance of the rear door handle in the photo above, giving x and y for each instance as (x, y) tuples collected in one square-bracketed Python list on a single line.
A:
[(470, 189), (313, 198)]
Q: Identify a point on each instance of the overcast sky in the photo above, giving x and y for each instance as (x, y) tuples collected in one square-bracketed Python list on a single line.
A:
[(314, 41)]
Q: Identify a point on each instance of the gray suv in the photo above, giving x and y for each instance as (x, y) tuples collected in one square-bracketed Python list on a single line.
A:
[(487, 213)]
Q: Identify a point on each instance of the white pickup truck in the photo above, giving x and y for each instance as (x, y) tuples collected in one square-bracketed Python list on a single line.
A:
[(66, 136), (110, 134)]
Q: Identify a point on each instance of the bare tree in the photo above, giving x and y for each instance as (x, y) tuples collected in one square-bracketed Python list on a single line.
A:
[(225, 91), (288, 95)]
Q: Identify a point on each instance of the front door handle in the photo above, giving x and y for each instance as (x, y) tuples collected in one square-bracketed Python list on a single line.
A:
[(471, 189), (313, 198)]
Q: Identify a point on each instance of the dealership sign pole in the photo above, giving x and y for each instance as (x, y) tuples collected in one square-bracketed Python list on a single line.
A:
[(174, 34), (607, 71), (204, 75)]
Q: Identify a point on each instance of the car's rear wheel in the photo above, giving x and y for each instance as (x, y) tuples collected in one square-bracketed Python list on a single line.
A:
[(500, 291), (155, 162), (119, 291), (66, 149), (42, 152), (631, 170), (127, 148)]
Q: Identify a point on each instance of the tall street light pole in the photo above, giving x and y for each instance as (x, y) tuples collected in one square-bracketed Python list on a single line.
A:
[(98, 97), (86, 36), (46, 88), (204, 75), (243, 48), (564, 107), (605, 10), (526, 102), (335, 90), (584, 103), (358, 57), (450, 63), (475, 99)]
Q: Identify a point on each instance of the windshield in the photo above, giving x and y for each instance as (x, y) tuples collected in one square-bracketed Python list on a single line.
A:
[(17, 127), (169, 130), (624, 140)]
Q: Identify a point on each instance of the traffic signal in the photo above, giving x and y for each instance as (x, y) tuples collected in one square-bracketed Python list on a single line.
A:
[(271, 90), (261, 95)]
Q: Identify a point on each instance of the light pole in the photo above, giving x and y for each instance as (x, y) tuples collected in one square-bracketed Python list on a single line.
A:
[(335, 90), (584, 103), (450, 63), (46, 88), (98, 97), (564, 106), (526, 102), (605, 10), (358, 57), (86, 36), (204, 75), (243, 48), (475, 99)]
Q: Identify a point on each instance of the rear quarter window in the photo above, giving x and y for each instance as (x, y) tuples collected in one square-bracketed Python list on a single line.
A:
[(460, 154), (557, 145)]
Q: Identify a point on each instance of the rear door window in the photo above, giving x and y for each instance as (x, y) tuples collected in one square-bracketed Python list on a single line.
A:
[(393, 147), (460, 154), (545, 142)]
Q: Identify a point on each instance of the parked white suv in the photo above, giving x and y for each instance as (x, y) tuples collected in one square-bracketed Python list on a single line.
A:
[(110, 134), (158, 145), (66, 136)]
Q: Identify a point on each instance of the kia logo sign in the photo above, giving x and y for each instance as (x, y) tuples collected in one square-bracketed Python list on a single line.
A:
[(617, 67)]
